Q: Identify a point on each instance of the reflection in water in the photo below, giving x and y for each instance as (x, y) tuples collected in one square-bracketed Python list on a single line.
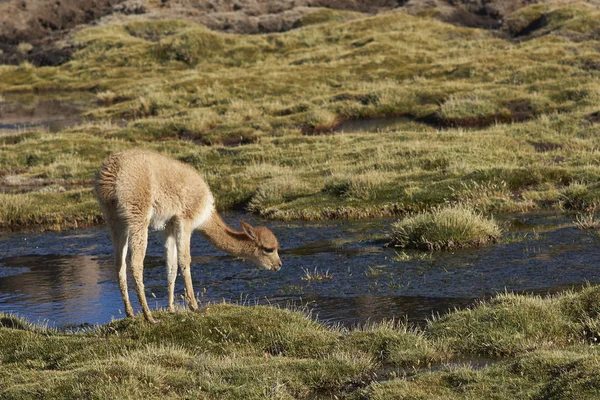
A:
[(67, 278), (18, 111), (74, 287), (330, 246)]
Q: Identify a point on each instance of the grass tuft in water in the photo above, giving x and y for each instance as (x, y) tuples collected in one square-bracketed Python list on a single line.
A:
[(446, 227), (316, 275), (587, 221)]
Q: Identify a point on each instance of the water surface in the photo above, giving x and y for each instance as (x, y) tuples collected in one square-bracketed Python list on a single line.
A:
[(53, 111), (68, 279)]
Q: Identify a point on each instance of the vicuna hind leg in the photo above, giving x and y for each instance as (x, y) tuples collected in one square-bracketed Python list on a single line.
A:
[(171, 258), (183, 236), (120, 243), (138, 241)]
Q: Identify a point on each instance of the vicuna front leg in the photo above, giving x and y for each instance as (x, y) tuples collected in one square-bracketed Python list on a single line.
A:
[(138, 241), (171, 257), (183, 237)]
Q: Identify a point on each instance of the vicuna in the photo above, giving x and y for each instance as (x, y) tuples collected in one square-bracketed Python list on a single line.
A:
[(139, 188)]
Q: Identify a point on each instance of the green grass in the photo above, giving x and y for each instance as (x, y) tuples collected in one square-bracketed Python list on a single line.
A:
[(226, 352), (511, 324), (515, 134), (511, 346), (446, 227), (565, 374)]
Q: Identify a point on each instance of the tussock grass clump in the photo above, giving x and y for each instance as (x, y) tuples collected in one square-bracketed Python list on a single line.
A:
[(24, 47), (359, 186), (229, 329), (325, 15), (580, 197), (155, 30), (444, 228), (492, 195), (191, 46), (396, 344), (587, 221), (283, 188), (321, 120), (511, 324), (507, 325), (49, 210), (106, 97), (469, 106)]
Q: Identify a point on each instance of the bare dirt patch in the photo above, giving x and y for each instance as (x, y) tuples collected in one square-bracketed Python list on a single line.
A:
[(42, 25)]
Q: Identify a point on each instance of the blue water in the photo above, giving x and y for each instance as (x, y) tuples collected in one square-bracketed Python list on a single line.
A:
[(67, 278)]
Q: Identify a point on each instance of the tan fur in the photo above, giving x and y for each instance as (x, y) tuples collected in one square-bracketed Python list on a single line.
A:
[(139, 188)]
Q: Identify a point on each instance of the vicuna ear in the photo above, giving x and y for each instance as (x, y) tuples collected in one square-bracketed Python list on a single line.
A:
[(248, 230)]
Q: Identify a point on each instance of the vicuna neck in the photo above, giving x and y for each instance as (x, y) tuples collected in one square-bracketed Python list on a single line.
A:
[(225, 238)]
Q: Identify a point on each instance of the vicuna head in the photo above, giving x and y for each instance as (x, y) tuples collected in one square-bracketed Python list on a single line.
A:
[(264, 252)]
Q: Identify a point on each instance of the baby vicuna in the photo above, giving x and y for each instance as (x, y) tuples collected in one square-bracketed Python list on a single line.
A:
[(139, 188)]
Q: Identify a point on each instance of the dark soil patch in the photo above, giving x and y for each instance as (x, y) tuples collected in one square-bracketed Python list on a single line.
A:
[(42, 24), (594, 117), (472, 13), (436, 121), (591, 65), (534, 25), (520, 110), (544, 147), (238, 140), (310, 130), (201, 139), (463, 17)]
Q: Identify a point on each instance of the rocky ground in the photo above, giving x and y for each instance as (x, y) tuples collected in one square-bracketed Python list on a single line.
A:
[(34, 30)]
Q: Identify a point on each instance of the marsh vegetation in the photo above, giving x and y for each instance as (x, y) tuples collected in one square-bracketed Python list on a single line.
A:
[(487, 121)]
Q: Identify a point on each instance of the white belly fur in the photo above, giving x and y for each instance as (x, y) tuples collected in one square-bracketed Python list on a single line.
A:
[(158, 221)]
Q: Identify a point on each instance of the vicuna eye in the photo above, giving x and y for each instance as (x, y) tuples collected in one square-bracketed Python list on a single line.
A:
[(269, 250)]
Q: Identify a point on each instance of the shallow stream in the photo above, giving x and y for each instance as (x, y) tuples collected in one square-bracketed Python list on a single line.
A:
[(67, 278)]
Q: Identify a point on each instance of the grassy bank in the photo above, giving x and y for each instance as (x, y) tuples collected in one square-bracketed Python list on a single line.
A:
[(497, 124), (321, 177), (509, 347)]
